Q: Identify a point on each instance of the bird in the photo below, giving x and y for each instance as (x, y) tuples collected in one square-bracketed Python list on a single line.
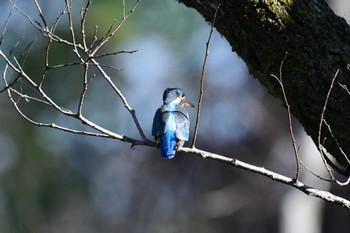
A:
[(171, 122)]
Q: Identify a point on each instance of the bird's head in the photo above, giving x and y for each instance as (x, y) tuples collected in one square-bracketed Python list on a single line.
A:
[(175, 95)]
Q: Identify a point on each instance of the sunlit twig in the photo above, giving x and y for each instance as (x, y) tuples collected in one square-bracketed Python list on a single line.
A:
[(327, 196), (202, 79)]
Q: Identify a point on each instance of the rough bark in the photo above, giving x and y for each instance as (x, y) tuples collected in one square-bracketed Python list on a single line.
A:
[(317, 42)]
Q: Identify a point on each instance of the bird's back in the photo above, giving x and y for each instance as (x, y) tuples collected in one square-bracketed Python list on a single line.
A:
[(170, 125), (171, 118)]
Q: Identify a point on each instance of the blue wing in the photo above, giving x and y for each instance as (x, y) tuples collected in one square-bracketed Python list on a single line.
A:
[(158, 126), (170, 124)]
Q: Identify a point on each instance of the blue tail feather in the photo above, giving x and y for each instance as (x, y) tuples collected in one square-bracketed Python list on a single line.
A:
[(168, 145)]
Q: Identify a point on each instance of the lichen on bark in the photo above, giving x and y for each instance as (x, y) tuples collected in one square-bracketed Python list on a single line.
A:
[(274, 12)]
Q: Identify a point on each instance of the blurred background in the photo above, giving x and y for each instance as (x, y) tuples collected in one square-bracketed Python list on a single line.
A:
[(52, 181)]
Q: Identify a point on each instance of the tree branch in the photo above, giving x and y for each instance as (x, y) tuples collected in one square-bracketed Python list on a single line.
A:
[(311, 191)]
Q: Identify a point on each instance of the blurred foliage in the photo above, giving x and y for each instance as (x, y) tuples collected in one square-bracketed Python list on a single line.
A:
[(52, 181)]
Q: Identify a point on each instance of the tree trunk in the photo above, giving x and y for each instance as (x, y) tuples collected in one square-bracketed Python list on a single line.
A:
[(317, 42)]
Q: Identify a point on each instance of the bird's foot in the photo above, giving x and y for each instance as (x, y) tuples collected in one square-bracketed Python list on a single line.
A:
[(179, 144)]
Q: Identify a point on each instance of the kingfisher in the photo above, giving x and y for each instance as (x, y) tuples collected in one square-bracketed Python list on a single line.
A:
[(171, 122)]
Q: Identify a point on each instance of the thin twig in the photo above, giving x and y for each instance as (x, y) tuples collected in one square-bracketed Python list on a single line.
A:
[(41, 14), (29, 98), (23, 58), (6, 24), (319, 145), (345, 88), (340, 183), (202, 79), (290, 124), (95, 36), (106, 38), (313, 173), (4, 74), (123, 8), (85, 88), (20, 71), (15, 46), (35, 25), (116, 53), (107, 66), (45, 33), (83, 21), (51, 38), (71, 28), (336, 141), (55, 126)]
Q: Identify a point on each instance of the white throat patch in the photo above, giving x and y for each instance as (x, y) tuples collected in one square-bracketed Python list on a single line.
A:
[(176, 101)]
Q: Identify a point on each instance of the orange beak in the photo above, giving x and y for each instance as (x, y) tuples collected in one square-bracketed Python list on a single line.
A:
[(187, 103)]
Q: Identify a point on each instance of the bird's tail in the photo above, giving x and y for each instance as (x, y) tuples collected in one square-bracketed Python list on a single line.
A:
[(168, 145)]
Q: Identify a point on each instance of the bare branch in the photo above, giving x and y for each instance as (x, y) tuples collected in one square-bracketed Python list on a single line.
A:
[(319, 144), (290, 124), (202, 79), (327, 196), (71, 28), (5, 26), (85, 88), (116, 53), (336, 141), (51, 39), (83, 14), (8, 85), (55, 126), (95, 36), (313, 173), (23, 58), (41, 14), (345, 88), (106, 38), (34, 24), (123, 8)]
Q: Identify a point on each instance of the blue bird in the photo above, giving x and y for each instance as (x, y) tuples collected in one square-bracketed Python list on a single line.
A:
[(171, 122)]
